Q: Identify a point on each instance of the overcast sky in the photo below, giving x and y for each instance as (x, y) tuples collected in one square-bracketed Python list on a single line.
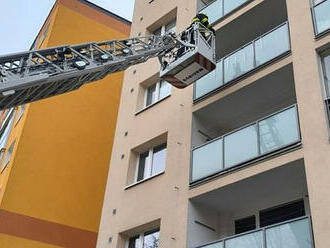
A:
[(21, 20)]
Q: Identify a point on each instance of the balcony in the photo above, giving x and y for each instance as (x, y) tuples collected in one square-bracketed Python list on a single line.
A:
[(291, 234), (251, 56), (321, 10), (219, 8), (256, 140), (266, 210)]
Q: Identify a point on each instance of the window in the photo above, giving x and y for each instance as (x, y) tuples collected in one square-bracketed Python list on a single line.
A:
[(282, 213), (145, 240), (5, 132), (245, 224), (165, 29), (151, 162), (151, 240), (134, 242), (326, 72), (156, 92), (326, 76), (320, 10), (20, 113)]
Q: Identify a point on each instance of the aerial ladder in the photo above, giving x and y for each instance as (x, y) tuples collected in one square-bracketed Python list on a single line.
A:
[(38, 74)]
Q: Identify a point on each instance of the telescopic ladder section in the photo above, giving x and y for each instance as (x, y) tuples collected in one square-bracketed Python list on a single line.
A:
[(34, 75), (38, 74)]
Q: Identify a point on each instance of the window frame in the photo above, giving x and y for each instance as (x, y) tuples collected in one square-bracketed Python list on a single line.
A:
[(325, 87), (257, 215), (279, 207), (162, 28), (141, 237), (313, 6), (157, 93), (149, 163), (145, 105)]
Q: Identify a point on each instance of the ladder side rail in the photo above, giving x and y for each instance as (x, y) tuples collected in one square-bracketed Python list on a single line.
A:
[(39, 74)]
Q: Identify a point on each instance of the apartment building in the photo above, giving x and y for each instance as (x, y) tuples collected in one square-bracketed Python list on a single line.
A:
[(242, 158), (55, 153)]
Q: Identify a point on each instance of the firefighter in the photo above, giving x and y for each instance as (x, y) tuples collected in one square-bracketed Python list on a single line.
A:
[(204, 20)]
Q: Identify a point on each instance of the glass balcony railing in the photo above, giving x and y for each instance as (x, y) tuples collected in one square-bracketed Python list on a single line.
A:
[(251, 56), (220, 8), (214, 10), (291, 234), (245, 144), (321, 12)]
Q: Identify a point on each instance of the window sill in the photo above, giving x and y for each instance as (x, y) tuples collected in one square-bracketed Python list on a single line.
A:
[(144, 180), (151, 105)]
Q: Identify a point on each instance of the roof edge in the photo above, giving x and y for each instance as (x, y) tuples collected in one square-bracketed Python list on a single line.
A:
[(107, 12), (43, 25), (90, 4)]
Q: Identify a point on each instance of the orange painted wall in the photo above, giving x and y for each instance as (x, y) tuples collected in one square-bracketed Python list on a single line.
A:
[(63, 144)]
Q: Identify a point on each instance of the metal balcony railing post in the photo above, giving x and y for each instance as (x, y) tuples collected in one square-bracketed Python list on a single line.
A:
[(264, 240), (254, 54), (258, 138), (223, 8)]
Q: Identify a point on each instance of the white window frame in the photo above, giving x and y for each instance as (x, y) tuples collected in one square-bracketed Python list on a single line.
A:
[(162, 30), (141, 237), (325, 87), (157, 97), (146, 94), (163, 27), (148, 165)]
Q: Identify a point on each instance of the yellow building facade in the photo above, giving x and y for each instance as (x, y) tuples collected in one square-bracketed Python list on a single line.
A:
[(55, 153)]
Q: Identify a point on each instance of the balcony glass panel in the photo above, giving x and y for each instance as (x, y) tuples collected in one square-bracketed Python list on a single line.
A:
[(230, 5), (215, 245), (251, 56), (251, 240), (322, 16), (272, 45), (207, 160), (278, 130), (214, 11), (275, 132), (209, 82), (294, 234), (291, 235), (241, 146), (239, 63)]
